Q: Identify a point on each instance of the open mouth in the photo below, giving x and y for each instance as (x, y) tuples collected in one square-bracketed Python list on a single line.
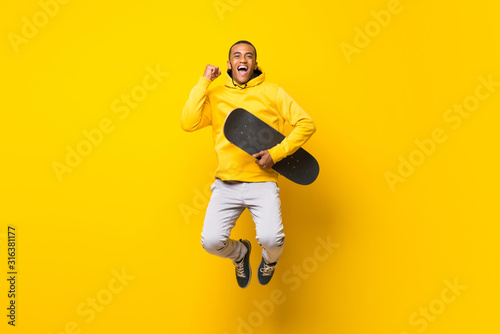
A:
[(242, 69)]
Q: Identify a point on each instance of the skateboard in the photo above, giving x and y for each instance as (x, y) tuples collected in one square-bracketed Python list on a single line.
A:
[(253, 135)]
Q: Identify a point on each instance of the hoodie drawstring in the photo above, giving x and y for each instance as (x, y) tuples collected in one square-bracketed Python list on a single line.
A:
[(238, 85)]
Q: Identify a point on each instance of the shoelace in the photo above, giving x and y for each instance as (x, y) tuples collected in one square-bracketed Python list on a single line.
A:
[(240, 269), (267, 270)]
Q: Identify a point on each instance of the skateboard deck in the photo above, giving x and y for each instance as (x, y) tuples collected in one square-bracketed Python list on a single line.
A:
[(253, 135)]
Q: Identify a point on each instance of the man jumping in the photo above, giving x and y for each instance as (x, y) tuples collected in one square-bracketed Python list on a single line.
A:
[(243, 181)]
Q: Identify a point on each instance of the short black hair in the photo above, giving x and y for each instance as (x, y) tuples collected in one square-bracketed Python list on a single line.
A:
[(243, 42)]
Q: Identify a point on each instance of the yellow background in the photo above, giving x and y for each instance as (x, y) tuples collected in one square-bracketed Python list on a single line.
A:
[(124, 206)]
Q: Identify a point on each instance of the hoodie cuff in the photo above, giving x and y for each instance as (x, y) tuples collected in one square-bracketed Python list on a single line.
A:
[(277, 153)]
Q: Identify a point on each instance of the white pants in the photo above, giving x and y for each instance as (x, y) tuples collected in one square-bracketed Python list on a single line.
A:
[(227, 202)]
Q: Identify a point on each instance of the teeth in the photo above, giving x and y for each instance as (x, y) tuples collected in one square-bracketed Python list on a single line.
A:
[(242, 68)]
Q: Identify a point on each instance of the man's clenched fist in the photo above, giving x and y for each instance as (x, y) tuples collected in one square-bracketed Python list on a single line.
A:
[(211, 72)]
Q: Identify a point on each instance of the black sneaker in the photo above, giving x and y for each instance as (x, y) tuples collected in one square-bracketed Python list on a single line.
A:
[(266, 271), (243, 270)]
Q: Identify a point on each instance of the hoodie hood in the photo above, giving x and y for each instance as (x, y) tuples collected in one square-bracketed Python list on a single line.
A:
[(258, 78)]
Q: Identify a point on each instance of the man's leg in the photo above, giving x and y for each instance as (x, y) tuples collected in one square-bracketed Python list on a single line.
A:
[(224, 208), (264, 204)]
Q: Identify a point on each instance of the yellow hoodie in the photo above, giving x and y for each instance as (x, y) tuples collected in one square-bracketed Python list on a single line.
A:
[(267, 101)]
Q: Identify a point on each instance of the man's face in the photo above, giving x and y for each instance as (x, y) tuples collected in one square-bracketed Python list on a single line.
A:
[(242, 63)]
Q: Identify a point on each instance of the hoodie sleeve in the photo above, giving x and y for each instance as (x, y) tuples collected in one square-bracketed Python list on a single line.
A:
[(197, 112), (303, 126)]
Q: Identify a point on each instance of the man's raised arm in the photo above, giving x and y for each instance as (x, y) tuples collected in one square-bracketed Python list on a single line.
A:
[(197, 112)]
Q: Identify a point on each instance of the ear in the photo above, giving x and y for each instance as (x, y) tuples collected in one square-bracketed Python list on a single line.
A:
[(229, 65), (256, 64)]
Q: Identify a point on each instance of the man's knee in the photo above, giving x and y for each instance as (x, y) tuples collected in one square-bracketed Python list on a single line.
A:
[(213, 244), (272, 241)]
